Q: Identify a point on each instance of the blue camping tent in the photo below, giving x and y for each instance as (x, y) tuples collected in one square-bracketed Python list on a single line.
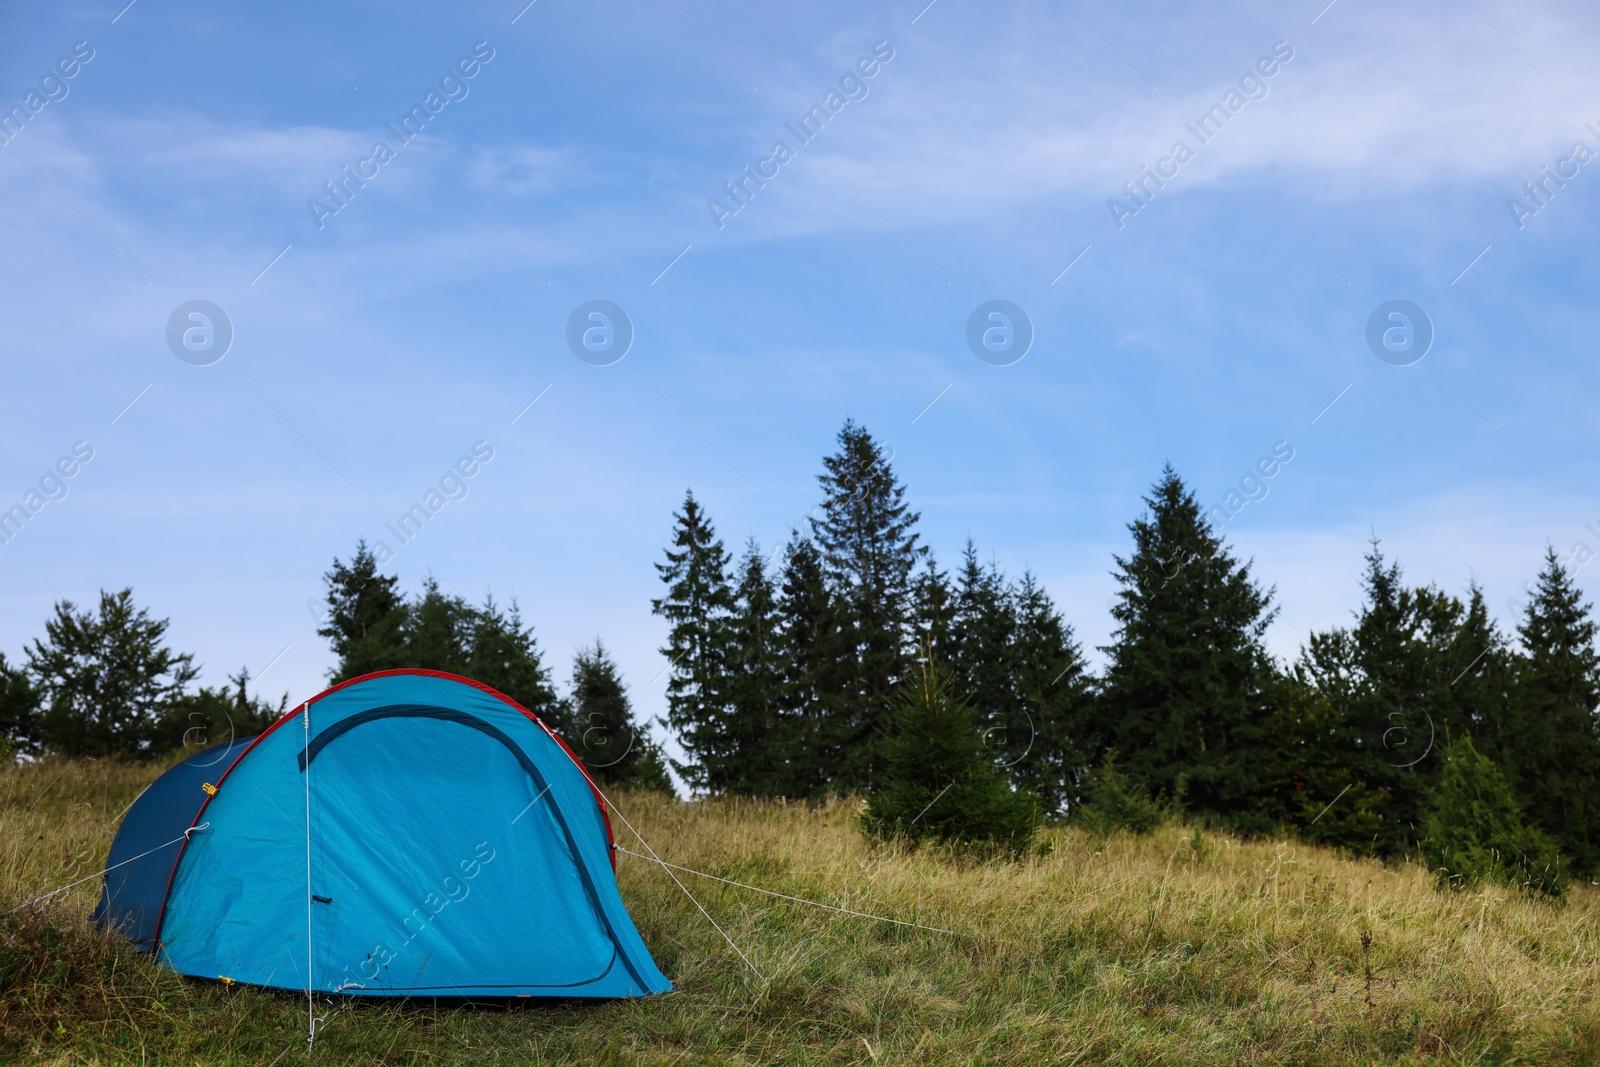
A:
[(407, 833)]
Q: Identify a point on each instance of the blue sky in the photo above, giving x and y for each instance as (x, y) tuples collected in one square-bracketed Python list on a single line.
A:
[(372, 351)]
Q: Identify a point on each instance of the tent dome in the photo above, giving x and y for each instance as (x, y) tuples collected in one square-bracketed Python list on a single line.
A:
[(407, 833)]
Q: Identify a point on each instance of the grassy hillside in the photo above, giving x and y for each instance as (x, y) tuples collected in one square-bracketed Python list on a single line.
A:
[(1178, 949)]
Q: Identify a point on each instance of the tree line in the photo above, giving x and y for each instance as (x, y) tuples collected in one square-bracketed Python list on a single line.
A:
[(104, 683), (825, 669), (784, 670)]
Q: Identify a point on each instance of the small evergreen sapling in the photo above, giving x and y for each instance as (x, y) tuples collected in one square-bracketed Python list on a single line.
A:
[(939, 782), (1116, 802), (1473, 830)]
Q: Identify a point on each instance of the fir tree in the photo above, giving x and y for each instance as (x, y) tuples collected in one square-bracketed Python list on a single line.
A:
[(868, 551), (1389, 681), (1187, 684), (1112, 801), (365, 617), (1473, 829), (504, 655), (1550, 747), (1481, 668), (938, 781), (1049, 745), (438, 630), (1306, 776), (933, 608), (754, 685), (696, 606), (613, 746), (816, 677), (983, 629), (106, 677)]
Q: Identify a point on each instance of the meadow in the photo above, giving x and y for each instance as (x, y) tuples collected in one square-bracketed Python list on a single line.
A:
[(1186, 946)]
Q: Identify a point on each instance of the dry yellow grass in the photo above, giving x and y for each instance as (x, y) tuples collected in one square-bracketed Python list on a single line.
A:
[(1168, 949)]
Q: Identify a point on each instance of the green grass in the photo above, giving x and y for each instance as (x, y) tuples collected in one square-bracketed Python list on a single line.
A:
[(1176, 948)]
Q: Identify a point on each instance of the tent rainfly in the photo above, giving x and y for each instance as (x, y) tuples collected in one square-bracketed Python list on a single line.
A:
[(407, 833)]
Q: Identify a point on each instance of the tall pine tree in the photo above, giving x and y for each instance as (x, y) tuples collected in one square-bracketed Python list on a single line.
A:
[(1186, 687), (697, 607), (869, 548)]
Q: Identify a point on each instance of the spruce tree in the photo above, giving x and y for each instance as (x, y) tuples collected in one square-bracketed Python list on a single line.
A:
[(938, 781), (868, 551), (612, 744), (1050, 744), (933, 607), (365, 617), (1388, 680), (1306, 778), (983, 629), (1186, 687), (1473, 829), (697, 607), (438, 630), (1550, 747), (1112, 801), (753, 687), (1482, 673), (816, 676), (503, 654)]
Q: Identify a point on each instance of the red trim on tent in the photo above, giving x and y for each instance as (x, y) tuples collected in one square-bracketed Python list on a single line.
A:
[(599, 799)]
